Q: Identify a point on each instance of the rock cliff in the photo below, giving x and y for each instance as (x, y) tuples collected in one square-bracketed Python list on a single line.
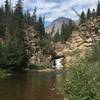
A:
[(36, 53)]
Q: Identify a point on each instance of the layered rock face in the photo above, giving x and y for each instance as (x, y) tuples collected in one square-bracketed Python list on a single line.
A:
[(36, 53)]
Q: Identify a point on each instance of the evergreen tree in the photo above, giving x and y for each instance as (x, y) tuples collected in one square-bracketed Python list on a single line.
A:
[(16, 49), (28, 18), (98, 9), (8, 19), (57, 37), (63, 32), (82, 18), (89, 14), (34, 17), (94, 13), (40, 28), (7, 8), (71, 27), (2, 26), (53, 29), (18, 18), (66, 31)]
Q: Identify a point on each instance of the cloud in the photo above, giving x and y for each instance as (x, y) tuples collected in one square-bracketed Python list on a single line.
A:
[(53, 9)]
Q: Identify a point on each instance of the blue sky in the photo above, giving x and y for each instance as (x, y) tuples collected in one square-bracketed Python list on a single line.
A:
[(53, 9)]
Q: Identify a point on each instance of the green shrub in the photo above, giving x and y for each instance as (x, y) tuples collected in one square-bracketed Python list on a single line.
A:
[(83, 81), (37, 67), (3, 73)]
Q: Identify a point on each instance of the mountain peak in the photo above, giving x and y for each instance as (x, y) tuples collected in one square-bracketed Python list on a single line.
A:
[(62, 18), (57, 23)]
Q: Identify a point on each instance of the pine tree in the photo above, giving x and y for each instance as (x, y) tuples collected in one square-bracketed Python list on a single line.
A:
[(30, 20), (8, 19), (82, 18), (7, 8), (18, 17), (2, 26), (16, 51), (94, 13), (89, 14), (40, 28), (53, 29), (27, 18), (34, 17), (63, 32), (71, 27), (66, 31), (98, 9), (57, 37)]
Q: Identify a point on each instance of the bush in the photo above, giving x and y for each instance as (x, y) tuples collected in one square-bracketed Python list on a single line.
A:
[(3, 73), (83, 81), (37, 67), (13, 56)]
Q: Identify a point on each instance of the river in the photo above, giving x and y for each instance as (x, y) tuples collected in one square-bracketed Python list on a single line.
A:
[(32, 86)]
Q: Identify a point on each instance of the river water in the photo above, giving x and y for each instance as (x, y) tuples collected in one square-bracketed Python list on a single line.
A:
[(32, 86)]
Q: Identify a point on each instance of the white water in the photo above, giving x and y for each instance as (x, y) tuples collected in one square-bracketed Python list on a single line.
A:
[(58, 63)]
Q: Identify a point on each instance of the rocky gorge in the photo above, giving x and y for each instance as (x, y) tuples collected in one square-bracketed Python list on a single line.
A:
[(79, 43)]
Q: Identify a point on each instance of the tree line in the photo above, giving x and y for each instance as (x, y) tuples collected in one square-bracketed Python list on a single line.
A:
[(66, 31), (13, 49), (90, 14)]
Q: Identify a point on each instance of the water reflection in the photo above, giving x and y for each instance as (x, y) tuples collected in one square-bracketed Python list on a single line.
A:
[(32, 86)]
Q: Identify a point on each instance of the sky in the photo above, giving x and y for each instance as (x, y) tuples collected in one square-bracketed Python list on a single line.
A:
[(53, 9)]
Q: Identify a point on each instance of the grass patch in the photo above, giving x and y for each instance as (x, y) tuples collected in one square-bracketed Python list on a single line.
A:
[(83, 81), (37, 67)]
